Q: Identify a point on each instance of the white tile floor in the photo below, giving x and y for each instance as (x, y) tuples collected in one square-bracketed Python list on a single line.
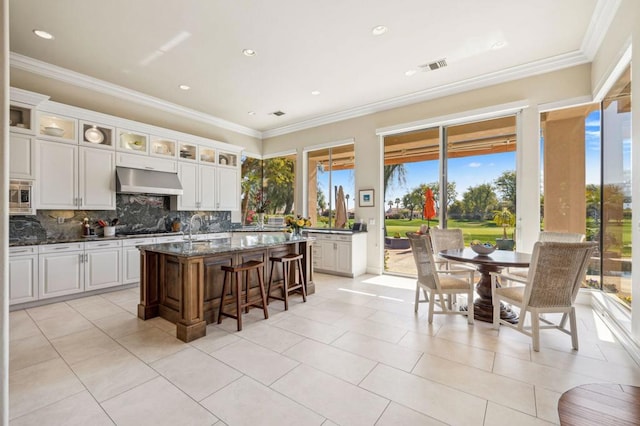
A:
[(354, 354)]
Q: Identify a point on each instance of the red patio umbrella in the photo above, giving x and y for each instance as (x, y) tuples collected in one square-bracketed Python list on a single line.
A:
[(429, 205)]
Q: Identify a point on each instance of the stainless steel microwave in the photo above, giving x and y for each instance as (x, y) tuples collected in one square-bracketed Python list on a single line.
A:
[(21, 197)]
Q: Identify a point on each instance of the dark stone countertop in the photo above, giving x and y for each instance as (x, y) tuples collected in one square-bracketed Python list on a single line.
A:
[(237, 242), (332, 231), (34, 242)]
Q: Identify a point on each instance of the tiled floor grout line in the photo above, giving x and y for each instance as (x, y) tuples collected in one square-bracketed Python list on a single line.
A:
[(478, 338)]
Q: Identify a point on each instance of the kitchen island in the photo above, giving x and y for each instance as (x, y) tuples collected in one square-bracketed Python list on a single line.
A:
[(182, 281)]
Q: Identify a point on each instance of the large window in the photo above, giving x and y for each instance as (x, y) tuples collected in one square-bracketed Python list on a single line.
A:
[(329, 171), (268, 186), (587, 182), (476, 192)]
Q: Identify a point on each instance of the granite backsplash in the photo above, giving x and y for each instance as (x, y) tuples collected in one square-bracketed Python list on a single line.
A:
[(135, 213)]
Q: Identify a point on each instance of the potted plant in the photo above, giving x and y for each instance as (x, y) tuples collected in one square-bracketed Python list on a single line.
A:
[(505, 219)]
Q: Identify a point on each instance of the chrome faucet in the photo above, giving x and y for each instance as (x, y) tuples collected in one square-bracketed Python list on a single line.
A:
[(191, 225)]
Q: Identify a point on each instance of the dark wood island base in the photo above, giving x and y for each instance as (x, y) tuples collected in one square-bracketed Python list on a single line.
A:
[(182, 282)]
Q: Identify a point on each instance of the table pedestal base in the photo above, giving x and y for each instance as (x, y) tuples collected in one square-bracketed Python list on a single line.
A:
[(483, 311)]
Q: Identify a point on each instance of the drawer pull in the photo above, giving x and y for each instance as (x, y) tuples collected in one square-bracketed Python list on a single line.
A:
[(19, 251)]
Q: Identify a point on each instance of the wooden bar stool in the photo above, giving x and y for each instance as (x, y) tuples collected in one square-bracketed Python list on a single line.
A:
[(286, 261), (237, 271)]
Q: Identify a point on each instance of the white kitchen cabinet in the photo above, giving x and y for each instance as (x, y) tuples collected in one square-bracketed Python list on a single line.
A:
[(146, 163), (227, 189), (103, 264), (21, 156), (198, 186), (207, 187), (96, 179), (72, 177), (57, 183), (60, 269), (131, 259), (23, 274), (340, 254), (57, 127)]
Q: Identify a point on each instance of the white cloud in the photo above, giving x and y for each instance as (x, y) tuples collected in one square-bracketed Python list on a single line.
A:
[(474, 165)]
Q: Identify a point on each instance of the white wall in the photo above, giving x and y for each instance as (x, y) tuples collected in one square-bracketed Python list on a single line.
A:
[(542, 89)]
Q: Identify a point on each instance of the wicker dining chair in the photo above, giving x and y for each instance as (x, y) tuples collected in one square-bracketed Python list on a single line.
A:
[(438, 283), (550, 236), (556, 272)]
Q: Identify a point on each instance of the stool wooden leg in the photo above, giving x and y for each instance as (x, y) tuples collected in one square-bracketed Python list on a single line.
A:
[(302, 281), (239, 300), (246, 294), (270, 281), (263, 294), (285, 284), (224, 290)]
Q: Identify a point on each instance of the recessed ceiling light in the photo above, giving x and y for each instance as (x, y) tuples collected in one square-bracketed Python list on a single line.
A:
[(248, 52), (43, 34), (251, 113), (410, 73), (315, 92), (498, 45), (184, 87), (379, 30)]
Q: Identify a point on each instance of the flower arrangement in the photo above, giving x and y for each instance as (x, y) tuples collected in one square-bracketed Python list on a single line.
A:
[(261, 203), (296, 223)]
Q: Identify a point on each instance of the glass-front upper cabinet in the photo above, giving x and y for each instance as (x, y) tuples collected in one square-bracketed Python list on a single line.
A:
[(188, 151), (132, 141), (207, 155), (21, 118), (57, 127), (163, 147), (227, 159), (96, 135)]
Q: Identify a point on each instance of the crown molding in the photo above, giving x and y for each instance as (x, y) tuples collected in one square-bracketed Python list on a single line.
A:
[(514, 73), (81, 80), (601, 18), (26, 97)]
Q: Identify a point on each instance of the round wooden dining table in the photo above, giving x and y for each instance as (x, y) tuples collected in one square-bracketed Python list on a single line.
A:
[(485, 264)]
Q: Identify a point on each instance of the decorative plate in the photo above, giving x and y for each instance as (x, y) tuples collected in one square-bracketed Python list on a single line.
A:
[(53, 131), (137, 145), (93, 135)]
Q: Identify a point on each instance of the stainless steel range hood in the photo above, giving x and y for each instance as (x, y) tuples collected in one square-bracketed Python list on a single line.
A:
[(138, 181)]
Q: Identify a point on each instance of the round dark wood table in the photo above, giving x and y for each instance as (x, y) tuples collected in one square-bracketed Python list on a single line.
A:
[(494, 262), (600, 404)]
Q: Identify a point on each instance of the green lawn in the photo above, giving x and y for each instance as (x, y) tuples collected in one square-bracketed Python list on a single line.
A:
[(472, 230)]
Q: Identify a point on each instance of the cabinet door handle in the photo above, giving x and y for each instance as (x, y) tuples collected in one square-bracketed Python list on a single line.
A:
[(81, 199), (149, 168), (86, 258), (81, 258)]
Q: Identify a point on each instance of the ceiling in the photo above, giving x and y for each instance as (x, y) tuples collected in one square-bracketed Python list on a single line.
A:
[(148, 48)]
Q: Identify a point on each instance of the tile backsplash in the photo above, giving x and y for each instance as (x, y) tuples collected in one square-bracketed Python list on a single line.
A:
[(135, 213)]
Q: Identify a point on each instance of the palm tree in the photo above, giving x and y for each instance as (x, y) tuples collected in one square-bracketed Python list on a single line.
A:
[(394, 172), (390, 205), (397, 205)]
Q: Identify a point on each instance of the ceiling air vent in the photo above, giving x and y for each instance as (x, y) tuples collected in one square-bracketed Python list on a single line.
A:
[(278, 113), (432, 66)]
